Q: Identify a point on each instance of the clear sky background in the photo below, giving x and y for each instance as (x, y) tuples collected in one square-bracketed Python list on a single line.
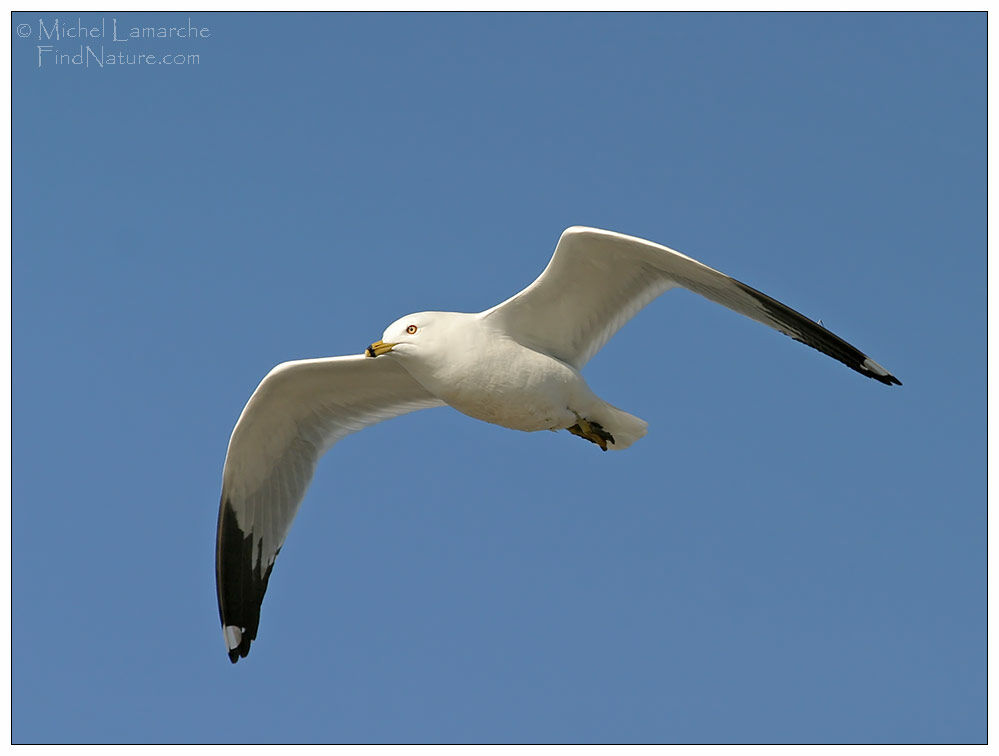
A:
[(793, 553)]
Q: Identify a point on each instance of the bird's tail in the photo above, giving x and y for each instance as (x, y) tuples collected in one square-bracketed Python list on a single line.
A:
[(625, 428)]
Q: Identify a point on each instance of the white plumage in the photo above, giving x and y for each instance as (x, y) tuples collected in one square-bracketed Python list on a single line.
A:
[(517, 365)]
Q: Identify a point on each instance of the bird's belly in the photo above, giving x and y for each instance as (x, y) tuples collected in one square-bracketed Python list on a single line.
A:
[(531, 392), (511, 411)]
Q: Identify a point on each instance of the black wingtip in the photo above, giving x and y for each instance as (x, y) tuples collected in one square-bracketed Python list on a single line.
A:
[(241, 583), (887, 379), (240, 651), (817, 336)]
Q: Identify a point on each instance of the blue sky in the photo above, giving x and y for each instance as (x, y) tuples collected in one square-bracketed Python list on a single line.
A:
[(793, 553)]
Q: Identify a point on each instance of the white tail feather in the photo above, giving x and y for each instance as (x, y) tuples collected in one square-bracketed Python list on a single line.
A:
[(625, 428)]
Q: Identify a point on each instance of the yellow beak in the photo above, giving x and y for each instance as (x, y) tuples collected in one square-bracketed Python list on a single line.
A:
[(378, 348)]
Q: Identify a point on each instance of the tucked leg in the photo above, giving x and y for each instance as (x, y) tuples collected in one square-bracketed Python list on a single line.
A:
[(591, 431)]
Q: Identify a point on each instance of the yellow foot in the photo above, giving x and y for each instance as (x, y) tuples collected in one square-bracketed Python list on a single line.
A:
[(591, 432)]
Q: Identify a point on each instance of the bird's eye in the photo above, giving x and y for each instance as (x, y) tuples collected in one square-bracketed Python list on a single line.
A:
[(411, 329)]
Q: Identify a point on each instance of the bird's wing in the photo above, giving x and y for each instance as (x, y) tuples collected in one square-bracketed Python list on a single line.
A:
[(296, 414), (598, 280)]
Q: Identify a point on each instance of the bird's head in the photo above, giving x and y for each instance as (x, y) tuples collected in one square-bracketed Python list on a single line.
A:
[(421, 332)]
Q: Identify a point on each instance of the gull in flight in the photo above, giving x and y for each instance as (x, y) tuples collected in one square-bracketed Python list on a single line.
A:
[(516, 365)]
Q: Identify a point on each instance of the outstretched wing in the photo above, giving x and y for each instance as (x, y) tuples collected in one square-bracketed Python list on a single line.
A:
[(598, 280), (296, 414)]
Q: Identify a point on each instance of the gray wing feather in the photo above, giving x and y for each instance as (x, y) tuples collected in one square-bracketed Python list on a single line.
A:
[(295, 415), (598, 280)]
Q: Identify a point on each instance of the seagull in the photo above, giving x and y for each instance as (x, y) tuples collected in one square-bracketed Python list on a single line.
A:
[(516, 365)]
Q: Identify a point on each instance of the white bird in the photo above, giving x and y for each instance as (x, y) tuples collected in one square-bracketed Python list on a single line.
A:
[(516, 365)]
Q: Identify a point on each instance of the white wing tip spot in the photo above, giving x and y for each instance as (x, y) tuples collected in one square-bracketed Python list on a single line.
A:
[(874, 367), (233, 636)]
